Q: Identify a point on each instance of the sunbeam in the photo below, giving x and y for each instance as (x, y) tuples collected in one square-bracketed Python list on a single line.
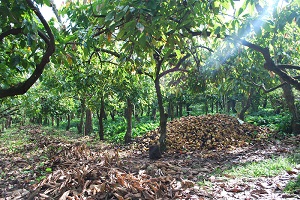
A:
[(228, 48)]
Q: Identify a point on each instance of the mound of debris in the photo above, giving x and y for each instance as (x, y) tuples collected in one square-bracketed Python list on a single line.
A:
[(205, 132), (82, 174)]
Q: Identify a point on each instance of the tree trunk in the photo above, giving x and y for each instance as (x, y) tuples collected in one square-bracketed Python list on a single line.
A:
[(69, 122), (136, 113), (171, 109), (46, 122), (112, 115), (3, 126), (52, 120), (57, 122), (180, 109), (142, 112), (82, 109), (40, 119), (153, 113), (128, 116), (188, 110), (265, 103), (88, 129), (100, 119), (290, 100), (162, 117), (206, 106), (8, 122), (246, 106), (148, 111)]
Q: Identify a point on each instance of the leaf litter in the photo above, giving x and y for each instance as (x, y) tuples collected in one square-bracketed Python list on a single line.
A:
[(53, 168)]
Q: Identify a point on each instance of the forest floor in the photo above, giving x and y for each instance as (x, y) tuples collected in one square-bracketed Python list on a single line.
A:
[(40, 164)]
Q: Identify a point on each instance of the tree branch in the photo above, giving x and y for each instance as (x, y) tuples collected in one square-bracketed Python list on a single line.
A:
[(204, 47), (270, 65), (108, 51), (262, 86), (14, 31), (8, 113), (288, 67), (23, 87), (176, 68)]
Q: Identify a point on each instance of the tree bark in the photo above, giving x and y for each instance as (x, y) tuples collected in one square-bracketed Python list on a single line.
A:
[(180, 108), (8, 122), (49, 40), (162, 117), (188, 110), (82, 109), (57, 122), (171, 109), (100, 119), (112, 115), (88, 129), (52, 120), (247, 105), (290, 101), (271, 66), (69, 122), (128, 116), (153, 113)]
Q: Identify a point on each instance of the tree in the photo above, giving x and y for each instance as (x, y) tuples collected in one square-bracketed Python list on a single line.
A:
[(152, 36), (273, 33), (23, 59)]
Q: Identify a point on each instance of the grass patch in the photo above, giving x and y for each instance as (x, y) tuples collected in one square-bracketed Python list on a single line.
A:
[(293, 186), (13, 140), (265, 168)]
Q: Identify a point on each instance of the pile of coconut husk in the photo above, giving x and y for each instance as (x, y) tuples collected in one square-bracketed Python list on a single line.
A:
[(205, 132)]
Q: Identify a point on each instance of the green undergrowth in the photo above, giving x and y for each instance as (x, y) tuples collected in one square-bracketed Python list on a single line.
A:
[(293, 186), (265, 168), (115, 130), (268, 118), (12, 140)]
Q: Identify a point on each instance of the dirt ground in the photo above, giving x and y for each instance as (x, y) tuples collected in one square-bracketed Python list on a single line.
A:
[(52, 168)]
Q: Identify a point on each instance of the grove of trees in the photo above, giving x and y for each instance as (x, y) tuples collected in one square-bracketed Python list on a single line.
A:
[(106, 58)]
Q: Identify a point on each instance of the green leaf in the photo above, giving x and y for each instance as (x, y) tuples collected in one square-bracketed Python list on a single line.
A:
[(240, 11), (47, 2), (217, 30), (48, 169), (15, 60), (120, 15), (29, 39), (127, 30), (110, 16), (142, 40), (140, 27)]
